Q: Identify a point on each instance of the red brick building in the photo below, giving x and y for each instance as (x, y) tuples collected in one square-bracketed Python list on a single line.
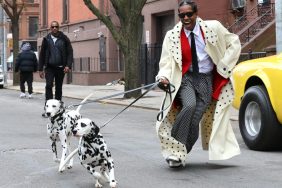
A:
[(28, 27)]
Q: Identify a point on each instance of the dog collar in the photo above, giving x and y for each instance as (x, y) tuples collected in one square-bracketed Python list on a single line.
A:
[(57, 115)]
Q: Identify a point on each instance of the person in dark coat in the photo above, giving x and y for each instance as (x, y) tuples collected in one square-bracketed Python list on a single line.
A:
[(26, 63), (55, 60)]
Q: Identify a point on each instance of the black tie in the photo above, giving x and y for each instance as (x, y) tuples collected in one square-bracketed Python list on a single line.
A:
[(194, 54)]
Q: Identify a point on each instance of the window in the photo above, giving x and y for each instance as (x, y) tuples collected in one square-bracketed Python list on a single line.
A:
[(44, 9), (65, 11), (237, 4), (263, 2), (33, 27)]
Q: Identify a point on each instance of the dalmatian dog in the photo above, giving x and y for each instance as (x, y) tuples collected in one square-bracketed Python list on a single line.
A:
[(93, 152), (60, 127)]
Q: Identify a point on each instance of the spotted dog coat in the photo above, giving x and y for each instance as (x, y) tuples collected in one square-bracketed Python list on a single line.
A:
[(93, 152), (60, 127)]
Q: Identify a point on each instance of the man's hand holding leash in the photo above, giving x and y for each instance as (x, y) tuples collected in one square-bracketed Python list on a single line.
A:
[(163, 83)]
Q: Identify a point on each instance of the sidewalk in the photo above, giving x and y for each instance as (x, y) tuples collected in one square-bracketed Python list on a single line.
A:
[(152, 100)]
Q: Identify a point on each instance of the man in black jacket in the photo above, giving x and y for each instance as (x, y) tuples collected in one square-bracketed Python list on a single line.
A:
[(56, 57), (26, 62)]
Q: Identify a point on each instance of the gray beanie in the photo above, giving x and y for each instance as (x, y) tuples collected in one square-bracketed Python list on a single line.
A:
[(26, 46)]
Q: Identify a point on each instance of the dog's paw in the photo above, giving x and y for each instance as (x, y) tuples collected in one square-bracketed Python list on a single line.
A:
[(113, 184), (98, 185), (69, 166), (61, 169)]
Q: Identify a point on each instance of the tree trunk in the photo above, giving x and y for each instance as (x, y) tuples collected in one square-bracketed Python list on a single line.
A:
[(128, 36), (132, 75), (15, 31), (132, 62)]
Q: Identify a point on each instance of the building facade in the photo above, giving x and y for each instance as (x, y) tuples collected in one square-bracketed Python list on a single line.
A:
[(97, 59), (28, 30), (96, 55), (29, 21)]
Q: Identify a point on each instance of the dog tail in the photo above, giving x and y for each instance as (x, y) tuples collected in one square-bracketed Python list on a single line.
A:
[(63, 163), (85, 99)]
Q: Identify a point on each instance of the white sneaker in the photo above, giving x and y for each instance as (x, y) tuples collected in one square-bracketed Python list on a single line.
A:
[(22, 95), (30, 96)]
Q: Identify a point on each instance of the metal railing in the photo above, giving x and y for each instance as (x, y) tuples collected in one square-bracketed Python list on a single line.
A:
[(251, 55), (244, 20), (247, 34), (92, 64), (149, 61), (251, 15)]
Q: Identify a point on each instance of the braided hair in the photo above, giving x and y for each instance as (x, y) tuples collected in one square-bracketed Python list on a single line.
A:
[(190, 3)]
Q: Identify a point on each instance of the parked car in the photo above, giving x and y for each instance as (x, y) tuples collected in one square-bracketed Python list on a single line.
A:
[(1, 78), (258, 89)]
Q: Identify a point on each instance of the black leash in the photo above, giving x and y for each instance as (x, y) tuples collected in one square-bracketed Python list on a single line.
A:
[(166, 88), (114, 95), (143, 94)]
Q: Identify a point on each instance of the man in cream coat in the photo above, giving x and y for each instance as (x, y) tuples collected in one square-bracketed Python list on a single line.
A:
[(203, 91)]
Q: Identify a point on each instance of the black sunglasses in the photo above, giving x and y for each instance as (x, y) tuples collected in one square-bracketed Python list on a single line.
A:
[(188, 14), (54, 26)]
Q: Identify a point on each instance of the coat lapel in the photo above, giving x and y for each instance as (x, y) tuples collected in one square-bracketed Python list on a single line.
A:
[(175, 47), (210, 36)]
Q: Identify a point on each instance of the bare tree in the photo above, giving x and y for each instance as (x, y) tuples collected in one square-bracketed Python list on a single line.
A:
[(13, 9), (127, 34)]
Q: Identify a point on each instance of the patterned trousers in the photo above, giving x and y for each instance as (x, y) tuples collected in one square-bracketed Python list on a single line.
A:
[(194, 99)]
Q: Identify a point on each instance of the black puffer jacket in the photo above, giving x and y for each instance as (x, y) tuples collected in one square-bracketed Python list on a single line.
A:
[(56, 55), (26, 62)]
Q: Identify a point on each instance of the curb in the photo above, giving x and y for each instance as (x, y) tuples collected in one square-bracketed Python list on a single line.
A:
[(102, 101)]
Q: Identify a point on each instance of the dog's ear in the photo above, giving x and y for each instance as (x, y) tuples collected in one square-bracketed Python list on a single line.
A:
[(95, 128)]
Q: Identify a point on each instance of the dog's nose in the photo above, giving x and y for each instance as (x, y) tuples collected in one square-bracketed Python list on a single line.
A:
[(48, 114), (74, 132)]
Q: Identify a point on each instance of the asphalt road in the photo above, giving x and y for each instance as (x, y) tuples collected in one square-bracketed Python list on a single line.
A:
[(26, 157)]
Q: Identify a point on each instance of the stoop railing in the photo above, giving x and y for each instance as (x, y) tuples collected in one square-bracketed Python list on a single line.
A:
[(257, 25), (248, 25)]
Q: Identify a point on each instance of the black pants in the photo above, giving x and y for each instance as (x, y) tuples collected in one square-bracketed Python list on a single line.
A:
[(26, 77), (54, 74)]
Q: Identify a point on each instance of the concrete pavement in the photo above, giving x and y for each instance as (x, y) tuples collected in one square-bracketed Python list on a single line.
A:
[(152, 100)]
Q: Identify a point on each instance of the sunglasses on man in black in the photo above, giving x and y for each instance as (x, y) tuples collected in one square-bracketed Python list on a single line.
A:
[(188, 14), (54, 26)]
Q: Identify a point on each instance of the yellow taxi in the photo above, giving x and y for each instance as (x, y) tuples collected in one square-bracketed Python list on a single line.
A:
[(258, 96)]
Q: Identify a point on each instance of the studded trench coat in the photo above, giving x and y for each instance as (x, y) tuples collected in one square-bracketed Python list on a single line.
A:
[(216, 132)]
